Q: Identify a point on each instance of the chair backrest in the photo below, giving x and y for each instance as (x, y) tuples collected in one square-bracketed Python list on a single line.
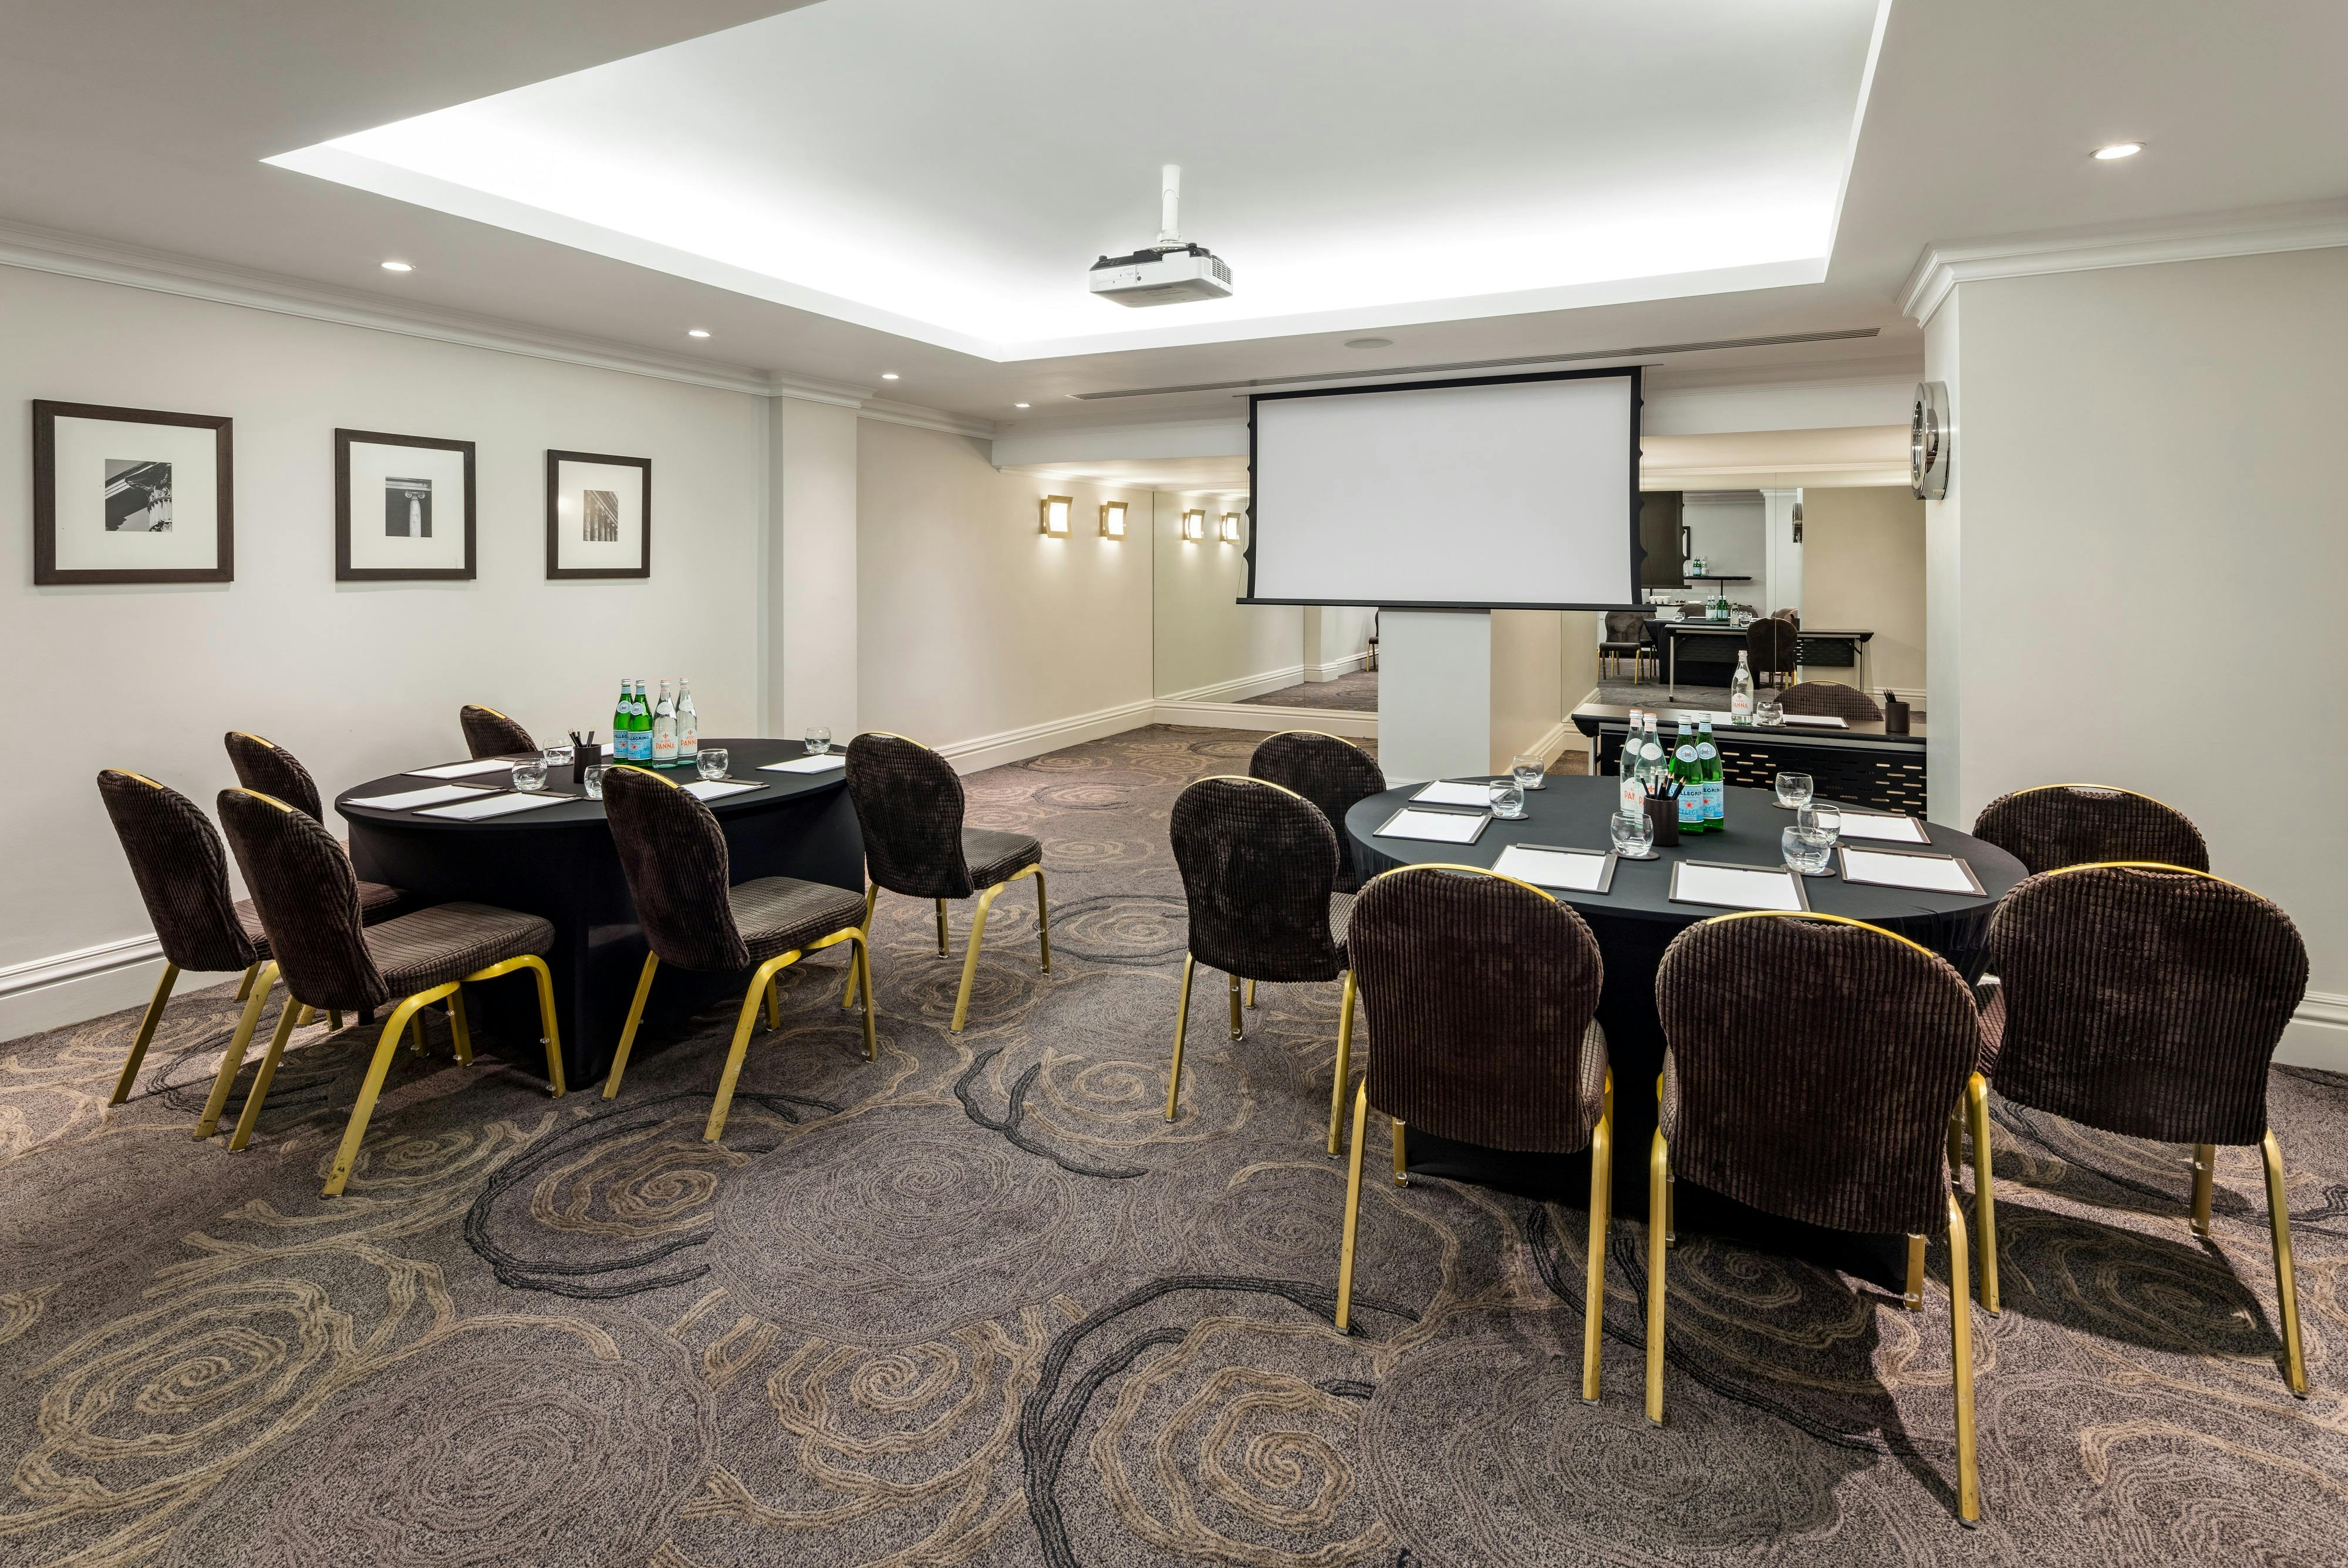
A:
[(1334, 774), (269, 768), (2143, 999), (1813, 1066), (489, 733), (673, 855), (308, 896), (909, 805), (1769, 645), (1258, 865), (2058, 825), (1478, 992), (1625, 625), (1791, 616), (1831, 698), (176, 858)]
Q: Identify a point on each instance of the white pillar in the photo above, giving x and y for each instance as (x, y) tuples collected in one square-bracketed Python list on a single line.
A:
[(1781, 552), (811, 568), (1434, 693)]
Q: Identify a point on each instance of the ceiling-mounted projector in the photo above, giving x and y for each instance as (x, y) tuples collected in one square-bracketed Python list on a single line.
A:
[(1172, 271)]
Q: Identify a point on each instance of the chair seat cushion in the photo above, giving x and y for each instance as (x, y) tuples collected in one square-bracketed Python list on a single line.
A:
[(450, 941), (997, 857), (776, 914)]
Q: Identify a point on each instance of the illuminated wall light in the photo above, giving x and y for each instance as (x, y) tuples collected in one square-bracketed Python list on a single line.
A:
[(1112, 520), (1231, 527), (1194, 525), (1056, 510)]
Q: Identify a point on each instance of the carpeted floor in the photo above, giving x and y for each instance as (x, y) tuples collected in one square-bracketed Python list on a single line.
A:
[(1356, 692), (978, 1303)]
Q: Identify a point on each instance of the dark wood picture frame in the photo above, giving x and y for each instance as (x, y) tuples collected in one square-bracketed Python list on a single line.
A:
[(47, 573), (555, 570), (346, 573)]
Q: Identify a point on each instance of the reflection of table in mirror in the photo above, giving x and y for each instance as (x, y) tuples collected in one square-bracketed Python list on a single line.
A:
[(1860, 762)]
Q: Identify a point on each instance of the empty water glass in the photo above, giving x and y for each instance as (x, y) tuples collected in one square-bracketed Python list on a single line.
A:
[(819, 739), (531, 775), (1827, 819), (1528, 770), (1808, 850), (1508, 799), (1633, 833), (593, 780), (1794, 790), (1769, 710), (712, 762), (556, 756)]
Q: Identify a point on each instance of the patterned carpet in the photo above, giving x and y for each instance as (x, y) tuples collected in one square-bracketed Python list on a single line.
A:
[(1355, 692), (978, 1303)]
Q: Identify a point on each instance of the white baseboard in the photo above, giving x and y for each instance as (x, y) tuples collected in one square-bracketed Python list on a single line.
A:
[(986, 751), (1343, 666), (69, 988), (2318, 1034), (1242, 689), (1257, 715)]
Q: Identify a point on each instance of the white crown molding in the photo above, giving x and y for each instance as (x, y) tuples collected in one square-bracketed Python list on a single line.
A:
[(923, 419), (1944, 264)]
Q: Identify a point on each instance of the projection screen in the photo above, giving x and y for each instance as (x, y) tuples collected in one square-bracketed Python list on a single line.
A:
[(1503, 492)]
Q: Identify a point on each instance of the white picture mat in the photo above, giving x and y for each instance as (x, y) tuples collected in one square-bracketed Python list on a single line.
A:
[(1737, 887), (84, 446), (1435, 826), (495, 806), (462, 769), (373, 550), (1550, 868), (824, 764), (1926, 873), (1450, 792), (1514, 493), (717, 788), (409, 800), (1883, 829), (573, 479)]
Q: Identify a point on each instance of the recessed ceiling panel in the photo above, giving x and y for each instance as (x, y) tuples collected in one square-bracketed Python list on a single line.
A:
[(948, 171)]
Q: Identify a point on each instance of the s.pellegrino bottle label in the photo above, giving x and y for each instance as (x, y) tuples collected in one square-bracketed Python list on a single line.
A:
[(1715, 783)]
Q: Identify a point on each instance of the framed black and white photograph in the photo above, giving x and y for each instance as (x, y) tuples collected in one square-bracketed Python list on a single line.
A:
[(599, 515), (131, 495), (402, 508)]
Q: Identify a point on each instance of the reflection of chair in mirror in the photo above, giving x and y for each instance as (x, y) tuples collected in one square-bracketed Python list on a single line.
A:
[(1626, 632), (1830, 699), (1771, 647)]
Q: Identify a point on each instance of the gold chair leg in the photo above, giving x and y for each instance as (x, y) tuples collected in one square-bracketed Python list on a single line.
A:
[(1353, 1213), (1344, 1061), (942, 928), (1402, 1161), (1984, 1188), (970, 959), (244, 986), (1251, 996), (415, 1031), (1043, 921), (726, 1079), (1956, 1142), (1913, 1298), (2205, 1172), (1601, 1203), (286, 1016), (1181, 1018), (774, 1005), (402, 1017), (460, 1032), (2294, 1357), (146, 1034), (628, 1029), (1961, 1363), (848, 992), (1671, 1210), (1659, 1165), (1235, 1007), (545, 977), (238, 1044), (863, 960)]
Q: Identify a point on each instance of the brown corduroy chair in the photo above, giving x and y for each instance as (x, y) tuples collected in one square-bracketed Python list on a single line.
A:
[(1626, 632), (1259, 865), (1770, 644), (909, 806), (2147, 1000), (2056, 825), (1482, 994), (1810, 1069), (1829, 699), (673, 855), (181, 869), (303, 883), (489, 733), (268, 768), (1334, 774)]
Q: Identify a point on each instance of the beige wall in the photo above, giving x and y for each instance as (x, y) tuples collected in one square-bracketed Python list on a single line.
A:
[(1863, 566), (356, 679), (1544, 664), (1209, 647), (2148, 455), (972, 625)]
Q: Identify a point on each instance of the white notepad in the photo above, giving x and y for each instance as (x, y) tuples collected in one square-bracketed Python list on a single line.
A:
[(1883, 829), (823, 764), (1449, 792), (1435, 826), (1736, 887), (495, 806), (1552, 868), (407, 800), (1817, 720), (1926, 873), (462, 769), (717, 788)]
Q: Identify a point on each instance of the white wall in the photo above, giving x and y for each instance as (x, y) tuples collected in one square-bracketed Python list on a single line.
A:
[(1209, 647), (1336, 640), (975, 632), (812, 567), (2149, 456), (1865, 568), (353, 678)]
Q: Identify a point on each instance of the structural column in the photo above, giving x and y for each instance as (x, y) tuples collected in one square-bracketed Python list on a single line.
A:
[(810, 567), (1434, 693)]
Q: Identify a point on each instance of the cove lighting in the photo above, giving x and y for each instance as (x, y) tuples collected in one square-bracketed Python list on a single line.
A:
[(2118, 151), (696, 332), (1056, 510), (1112, 520), (397, 267)]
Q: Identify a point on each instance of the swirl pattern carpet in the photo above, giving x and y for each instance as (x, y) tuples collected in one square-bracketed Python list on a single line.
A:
[(977, 1302)]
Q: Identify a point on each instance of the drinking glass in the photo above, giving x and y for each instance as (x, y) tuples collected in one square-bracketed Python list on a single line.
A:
[(556, 756), (819, 740), (531, 775), (1634, 835), (1825, 818), (1508, 799), (1794, 790), (1528, 770), (713, 760), (1769, 710), (1808, 850), (594, 781)]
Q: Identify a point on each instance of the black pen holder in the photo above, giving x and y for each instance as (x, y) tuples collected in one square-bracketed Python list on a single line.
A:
[(1665, 815), (584, 754), (1895, 715)]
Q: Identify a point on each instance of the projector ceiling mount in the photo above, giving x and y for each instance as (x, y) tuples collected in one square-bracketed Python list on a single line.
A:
[(1172, 271)]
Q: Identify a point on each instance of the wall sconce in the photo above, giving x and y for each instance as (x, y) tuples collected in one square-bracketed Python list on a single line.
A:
[(1230, 528), (1194, 525), (1055, 514), (1112, 520)]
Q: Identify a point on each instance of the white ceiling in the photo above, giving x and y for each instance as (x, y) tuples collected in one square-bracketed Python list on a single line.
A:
[(1978, 122)]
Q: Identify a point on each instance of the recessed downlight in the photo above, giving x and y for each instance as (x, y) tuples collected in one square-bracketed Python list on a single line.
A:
[(888, 375), (1369, 342), (2118, 151), (397, 267), (696, 332), (1019, 405)]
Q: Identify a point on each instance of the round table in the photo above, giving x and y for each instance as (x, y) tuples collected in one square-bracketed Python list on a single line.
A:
[(558, 862), (1634, 921)]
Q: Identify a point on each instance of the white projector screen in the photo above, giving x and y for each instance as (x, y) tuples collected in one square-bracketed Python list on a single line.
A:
[(1514, 492)]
